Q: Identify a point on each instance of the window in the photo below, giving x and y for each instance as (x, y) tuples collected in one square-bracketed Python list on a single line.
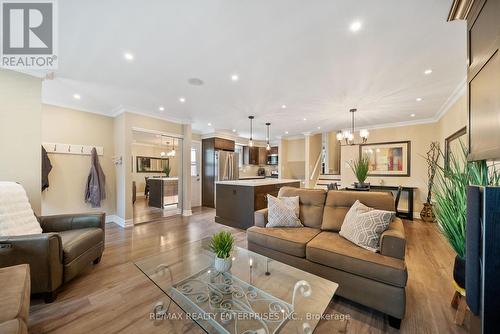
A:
[(239, 149), (194, 163)]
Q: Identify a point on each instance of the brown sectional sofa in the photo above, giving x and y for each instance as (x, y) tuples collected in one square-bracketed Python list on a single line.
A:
[(14, 299), (376, 280)]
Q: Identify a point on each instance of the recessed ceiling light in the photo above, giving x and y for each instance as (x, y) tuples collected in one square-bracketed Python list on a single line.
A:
[(319, 127), (283, 106), (305, 119), (235, 77), (355, 26), (161, 108), (77, 96), (182, 99), (412, 115), (209, 124), (286, 132), (128, 56), (234, 130), (419, 99), (429, 71)]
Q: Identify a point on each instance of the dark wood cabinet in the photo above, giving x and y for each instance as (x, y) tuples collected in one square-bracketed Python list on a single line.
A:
[(262, 156), (274, 150), (250, 155), (208, 147), (483, 78)]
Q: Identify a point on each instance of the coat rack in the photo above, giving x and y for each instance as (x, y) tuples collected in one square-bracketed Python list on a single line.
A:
[(59, 148)]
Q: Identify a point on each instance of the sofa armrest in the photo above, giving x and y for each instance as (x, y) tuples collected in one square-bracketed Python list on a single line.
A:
[(43, 253), (393, 240), (61, 223), (260, 218)]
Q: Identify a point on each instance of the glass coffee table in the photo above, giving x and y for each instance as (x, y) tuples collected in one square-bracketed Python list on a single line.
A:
[(256, 296)]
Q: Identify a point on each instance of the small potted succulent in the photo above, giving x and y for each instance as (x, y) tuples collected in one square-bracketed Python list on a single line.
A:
[(360, 168), (222, 244)]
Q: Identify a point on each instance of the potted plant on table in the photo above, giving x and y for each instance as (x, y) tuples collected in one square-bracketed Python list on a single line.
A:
[(222, 244), (427, 213), (360, 169), (166, 171), (450, 193)]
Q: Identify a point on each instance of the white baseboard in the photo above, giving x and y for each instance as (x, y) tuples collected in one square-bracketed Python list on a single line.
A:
[(187, 213), (119, 221)]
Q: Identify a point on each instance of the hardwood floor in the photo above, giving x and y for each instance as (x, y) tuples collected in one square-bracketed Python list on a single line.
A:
[(115, 297)]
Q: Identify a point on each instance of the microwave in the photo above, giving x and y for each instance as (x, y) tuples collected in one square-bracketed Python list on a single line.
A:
[(272, 159)]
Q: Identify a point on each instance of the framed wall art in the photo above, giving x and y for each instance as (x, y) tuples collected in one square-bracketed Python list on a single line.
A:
[(388, 159)]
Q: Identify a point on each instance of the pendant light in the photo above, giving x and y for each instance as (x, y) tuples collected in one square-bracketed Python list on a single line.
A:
[(268, 147), (162, 153), (250, 142), (348, 135)]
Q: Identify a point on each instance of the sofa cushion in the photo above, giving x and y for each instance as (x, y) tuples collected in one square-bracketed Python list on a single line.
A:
[(14, 326), (312, 202), (283, 211), (331, 250), (338, 203), (287, 240), (77, 242), (15, 296), (363, 225)]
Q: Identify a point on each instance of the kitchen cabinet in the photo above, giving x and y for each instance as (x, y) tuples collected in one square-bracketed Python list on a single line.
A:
[(254, 155), (262, 156)]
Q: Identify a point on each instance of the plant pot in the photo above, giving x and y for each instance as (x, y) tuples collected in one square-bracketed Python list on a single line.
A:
[(459, 272), (223, 265), (427, 213), (361, 185)]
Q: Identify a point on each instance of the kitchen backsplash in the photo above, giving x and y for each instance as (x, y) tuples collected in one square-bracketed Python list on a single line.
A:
[(251, 170)]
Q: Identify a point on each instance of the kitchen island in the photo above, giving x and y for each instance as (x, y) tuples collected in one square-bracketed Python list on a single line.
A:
[(163, 191), (237, 200)]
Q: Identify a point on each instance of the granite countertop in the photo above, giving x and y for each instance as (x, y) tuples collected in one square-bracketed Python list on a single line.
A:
[(256, 182)]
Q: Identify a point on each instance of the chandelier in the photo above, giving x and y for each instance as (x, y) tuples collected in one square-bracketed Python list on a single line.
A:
[(348, 135)]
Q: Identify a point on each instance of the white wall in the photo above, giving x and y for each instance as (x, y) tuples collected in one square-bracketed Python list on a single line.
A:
[(69, 172), (21, 133)]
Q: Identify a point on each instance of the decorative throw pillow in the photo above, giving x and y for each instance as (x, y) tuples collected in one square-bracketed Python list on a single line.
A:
[(16, 215), (363, 225), (283, 212)]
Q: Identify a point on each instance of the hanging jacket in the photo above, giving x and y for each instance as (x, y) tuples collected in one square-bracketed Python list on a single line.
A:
[(46, 168), (96, 181)]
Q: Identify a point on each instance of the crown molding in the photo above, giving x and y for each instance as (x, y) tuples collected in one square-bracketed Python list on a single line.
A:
[(457, 93), (77, 108), (460, 10)]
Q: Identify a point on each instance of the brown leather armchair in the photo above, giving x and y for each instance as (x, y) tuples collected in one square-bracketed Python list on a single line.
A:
[(68, 244)]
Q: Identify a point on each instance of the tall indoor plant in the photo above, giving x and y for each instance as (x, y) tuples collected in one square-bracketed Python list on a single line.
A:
[(360, 169), (450, 193), (427, 213)]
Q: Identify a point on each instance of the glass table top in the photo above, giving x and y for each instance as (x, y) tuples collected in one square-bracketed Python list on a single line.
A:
[(257, 295)]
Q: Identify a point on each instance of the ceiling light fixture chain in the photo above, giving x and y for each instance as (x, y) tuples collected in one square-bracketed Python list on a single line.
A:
[(268, 145), (250, 142)]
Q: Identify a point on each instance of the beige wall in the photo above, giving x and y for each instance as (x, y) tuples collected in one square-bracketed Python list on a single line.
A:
[(454, 120), (333, 153), (20, 133), (69, 171), (420, 136), (315, 145), (293, 159)]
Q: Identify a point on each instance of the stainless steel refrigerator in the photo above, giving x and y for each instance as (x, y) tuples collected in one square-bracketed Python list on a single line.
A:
[(226, 168)]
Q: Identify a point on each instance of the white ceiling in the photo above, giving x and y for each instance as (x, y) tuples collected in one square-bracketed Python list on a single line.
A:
[(294, 52)]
